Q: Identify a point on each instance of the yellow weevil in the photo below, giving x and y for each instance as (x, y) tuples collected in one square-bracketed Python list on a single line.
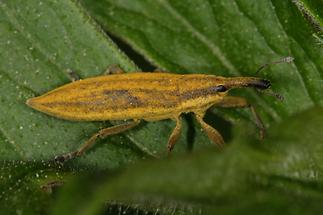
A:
[(146, 96)]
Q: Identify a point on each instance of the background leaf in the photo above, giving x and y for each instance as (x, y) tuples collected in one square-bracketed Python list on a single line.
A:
[(40, 40), (230, 38), (284, 173)]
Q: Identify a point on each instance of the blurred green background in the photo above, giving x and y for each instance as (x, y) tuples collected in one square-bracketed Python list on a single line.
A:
[(130, 173)]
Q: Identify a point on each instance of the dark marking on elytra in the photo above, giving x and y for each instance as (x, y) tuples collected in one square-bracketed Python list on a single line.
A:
[(115, 94), (120, 100), (124, 95)]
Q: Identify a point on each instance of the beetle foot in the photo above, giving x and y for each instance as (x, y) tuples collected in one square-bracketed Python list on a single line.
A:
[(113, 69), (170, 148), (261, 133), (65, 157), (72, 75), (50, 186)]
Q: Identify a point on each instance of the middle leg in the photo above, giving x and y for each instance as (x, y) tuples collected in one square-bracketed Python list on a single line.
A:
[(175, 134), (211, 132)]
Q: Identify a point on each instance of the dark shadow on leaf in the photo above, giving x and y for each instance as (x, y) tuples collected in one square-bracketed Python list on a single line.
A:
[(222, 125), (136, 57), (190, 135)]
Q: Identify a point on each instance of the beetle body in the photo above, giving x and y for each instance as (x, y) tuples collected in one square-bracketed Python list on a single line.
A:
[(147, 96)]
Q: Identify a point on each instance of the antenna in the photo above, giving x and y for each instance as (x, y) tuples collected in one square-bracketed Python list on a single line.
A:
[(288, 59), (272, 93)]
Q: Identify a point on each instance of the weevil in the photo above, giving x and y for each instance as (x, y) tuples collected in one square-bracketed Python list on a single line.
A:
[(146, 96)]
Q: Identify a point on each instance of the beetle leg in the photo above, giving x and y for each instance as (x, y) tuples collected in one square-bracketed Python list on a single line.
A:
[(239, 102), (211, 132), (175, 134), (50, 186), (72, 75), (101, 134), (113, 69)]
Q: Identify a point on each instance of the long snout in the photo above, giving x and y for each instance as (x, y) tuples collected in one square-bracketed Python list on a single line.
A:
[(240, 82)]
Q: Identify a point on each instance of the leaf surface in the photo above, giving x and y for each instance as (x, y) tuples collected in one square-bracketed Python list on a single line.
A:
[(285, 172)]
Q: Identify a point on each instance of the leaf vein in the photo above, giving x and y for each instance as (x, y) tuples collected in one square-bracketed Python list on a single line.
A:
[(208, 43), (37, 45), (299, 73)]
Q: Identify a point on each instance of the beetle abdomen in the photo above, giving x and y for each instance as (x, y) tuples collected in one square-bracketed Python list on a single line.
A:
[(110, 97)]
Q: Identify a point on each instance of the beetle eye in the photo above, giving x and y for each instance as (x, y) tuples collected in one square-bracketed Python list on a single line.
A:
[(221, 88)]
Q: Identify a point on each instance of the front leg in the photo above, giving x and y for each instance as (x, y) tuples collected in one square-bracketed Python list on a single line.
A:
[(239, 102)]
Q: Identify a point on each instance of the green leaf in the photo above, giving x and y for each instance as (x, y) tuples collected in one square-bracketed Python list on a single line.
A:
[(26, 187), (230, 38), (285, 172), (40, 40)]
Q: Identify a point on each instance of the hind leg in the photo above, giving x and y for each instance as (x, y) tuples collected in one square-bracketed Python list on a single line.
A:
[(101, 134)]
